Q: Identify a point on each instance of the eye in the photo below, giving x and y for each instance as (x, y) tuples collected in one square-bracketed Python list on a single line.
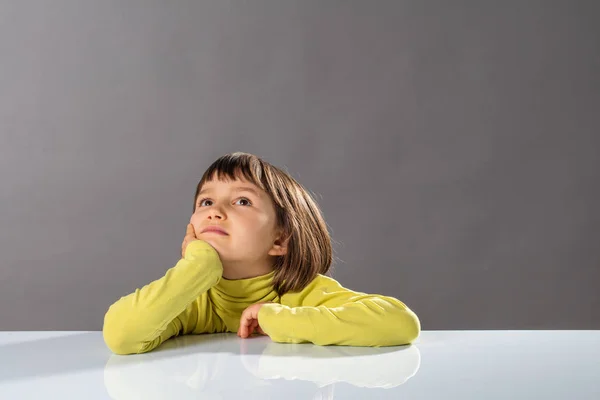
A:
[(201, 203), (243, 199)]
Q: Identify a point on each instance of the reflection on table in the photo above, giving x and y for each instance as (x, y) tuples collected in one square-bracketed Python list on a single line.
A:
[(223, 366)]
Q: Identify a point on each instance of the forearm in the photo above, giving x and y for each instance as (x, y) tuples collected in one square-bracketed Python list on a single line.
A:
[(373, 321), (138, 319)]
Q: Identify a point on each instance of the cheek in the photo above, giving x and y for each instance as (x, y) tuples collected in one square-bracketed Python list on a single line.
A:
[(259, 224), (195, 221), (258, 230)]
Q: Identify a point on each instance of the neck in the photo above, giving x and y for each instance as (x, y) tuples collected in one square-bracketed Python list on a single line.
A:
[(233, 270)]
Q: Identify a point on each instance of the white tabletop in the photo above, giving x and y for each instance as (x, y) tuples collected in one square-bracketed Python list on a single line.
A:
[(440, 365)]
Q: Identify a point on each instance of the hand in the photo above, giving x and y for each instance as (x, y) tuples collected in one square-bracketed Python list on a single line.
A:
[(190, 236), (249, 321)]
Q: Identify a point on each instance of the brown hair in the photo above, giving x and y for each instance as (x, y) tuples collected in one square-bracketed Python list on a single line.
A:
[(309, 249)]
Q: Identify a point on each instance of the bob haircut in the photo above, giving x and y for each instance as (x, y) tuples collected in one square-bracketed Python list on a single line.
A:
[(309, 250)]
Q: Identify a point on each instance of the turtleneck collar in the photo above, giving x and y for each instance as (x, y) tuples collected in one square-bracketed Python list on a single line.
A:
[(248, 290)]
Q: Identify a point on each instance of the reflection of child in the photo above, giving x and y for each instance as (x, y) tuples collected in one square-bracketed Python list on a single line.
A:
[(385, 367), (253, 260), (194, 366)]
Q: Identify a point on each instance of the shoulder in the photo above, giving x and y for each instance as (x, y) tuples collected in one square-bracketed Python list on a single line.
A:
[(323, 283), (321, 289)]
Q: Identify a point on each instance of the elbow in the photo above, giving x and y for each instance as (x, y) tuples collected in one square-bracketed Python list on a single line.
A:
[(409, 328), (115, 342), (116, 337)]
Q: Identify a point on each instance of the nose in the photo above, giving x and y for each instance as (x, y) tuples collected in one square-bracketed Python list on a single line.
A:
[(215, 213)]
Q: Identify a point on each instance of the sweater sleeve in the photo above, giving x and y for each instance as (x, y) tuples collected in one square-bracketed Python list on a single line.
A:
[(174, 304), (326, 313)]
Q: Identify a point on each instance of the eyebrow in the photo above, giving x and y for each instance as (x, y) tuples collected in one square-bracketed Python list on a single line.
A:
[(236, 189)]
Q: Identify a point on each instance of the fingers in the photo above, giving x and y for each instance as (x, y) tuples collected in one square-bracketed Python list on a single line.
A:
[(243, 330), (253, 326), (183, 246), (248, 327), (190, 231), (249, 322), (242, 323), (190, 235)]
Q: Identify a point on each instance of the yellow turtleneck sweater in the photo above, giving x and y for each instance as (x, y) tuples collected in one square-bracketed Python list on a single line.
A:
[(193, 298)]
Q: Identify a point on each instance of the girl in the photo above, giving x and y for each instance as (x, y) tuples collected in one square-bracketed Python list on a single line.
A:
[(254, 260)]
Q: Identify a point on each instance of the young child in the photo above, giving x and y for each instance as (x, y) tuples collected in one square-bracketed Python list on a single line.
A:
[(253, 261)]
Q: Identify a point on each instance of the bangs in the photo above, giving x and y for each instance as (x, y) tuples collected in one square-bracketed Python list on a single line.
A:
[(236, 166)]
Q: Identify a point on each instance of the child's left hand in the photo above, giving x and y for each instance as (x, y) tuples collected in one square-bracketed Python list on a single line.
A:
[(249, 321)]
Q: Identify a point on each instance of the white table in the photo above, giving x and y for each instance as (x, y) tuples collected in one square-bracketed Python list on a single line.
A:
[(440, 365)]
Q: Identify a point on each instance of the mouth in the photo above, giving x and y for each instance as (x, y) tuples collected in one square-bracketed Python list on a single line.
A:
[(215, 230)]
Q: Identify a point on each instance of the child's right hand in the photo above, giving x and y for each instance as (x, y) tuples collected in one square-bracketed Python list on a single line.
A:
[(190, 236)]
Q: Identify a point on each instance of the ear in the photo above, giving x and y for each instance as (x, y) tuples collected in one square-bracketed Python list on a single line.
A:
[(280, 246)]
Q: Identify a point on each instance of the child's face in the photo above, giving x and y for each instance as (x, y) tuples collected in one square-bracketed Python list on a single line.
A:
[(245, 212)]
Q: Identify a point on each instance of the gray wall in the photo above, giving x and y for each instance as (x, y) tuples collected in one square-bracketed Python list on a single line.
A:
[(453, 147)]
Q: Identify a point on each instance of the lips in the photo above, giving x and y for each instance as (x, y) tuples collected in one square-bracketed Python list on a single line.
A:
[(214, 229)]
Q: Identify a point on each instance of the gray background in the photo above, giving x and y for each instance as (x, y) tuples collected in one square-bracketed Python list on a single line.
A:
[(453, 147)]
